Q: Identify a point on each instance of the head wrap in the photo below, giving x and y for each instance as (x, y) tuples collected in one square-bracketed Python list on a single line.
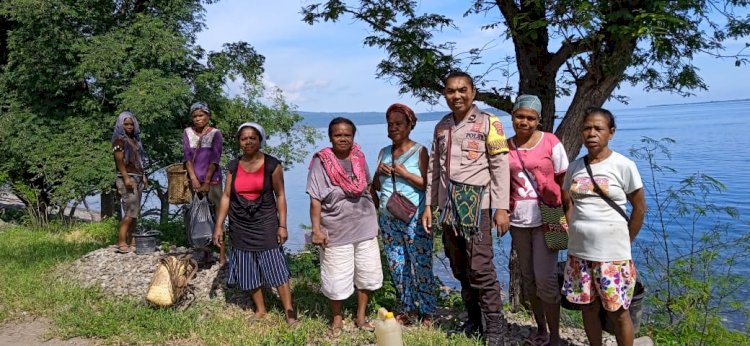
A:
[(199, 106), (257, 127), (119, 133), (405, 110), (528, 101)]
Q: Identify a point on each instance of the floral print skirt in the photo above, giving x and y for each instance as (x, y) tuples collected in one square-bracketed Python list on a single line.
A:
[(613, 282)]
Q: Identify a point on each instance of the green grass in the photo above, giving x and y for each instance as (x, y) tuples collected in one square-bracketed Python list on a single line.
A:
[(29, 283)]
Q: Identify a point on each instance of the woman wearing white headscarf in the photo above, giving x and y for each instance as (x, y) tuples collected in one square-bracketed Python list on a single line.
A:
[(255, 200), (131, 180)]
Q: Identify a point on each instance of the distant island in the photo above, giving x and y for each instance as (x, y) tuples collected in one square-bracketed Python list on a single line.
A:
[(321, 119), (698, 103)]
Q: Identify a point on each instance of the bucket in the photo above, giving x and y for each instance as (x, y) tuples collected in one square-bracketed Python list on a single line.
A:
[(635, 309), (145, 242)]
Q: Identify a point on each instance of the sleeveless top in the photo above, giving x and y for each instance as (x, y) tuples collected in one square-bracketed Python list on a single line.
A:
[(409, 191), (253, 225), (249, 184)]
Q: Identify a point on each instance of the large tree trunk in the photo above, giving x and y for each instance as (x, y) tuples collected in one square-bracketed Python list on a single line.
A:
[(592, 91)]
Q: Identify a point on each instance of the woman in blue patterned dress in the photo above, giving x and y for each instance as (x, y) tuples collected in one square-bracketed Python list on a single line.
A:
[(408, 248)]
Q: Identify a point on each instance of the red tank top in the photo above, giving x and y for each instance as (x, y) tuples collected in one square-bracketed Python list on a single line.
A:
[(249, 185)]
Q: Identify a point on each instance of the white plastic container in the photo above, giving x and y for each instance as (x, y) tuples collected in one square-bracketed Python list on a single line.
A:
[(387, 329)]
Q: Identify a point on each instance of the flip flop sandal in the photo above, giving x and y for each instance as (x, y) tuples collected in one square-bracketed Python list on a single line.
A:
[(366, 326), (538, 340), (294, 323), (123, 249), (334, 332)]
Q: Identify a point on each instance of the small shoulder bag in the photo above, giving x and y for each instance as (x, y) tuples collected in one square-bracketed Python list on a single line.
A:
[(553, 218), (463, 208), (399, 205)]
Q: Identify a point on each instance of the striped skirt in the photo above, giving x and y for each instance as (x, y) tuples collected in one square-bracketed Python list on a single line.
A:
[(251, 269)]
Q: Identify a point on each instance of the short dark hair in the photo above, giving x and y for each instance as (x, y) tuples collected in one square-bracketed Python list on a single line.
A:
[(459, 74), (341, 120), (601, 111)]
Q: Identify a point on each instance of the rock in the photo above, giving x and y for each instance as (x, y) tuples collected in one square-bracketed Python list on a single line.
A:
[(130, 274), (643, 341)]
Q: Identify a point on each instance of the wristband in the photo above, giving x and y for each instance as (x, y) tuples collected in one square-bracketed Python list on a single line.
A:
[(284, 227)]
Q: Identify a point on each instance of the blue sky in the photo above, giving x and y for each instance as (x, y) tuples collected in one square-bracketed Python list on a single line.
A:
[(327, 68)]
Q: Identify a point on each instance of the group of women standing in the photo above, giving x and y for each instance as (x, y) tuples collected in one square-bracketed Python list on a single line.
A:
[(348, 208), (599, 272)]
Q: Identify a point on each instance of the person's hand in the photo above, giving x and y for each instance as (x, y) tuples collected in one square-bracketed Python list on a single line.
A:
[(427, 220), (204, 187), (218, 236), (196, 184), (400, 171), (145, 182), (385, 170), (282, 235), (128, 182), (502, 223), (319, 238)]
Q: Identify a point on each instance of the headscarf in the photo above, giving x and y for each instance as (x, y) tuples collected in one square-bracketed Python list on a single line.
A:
[(199, 106), (257, 127), (119, 133), (405, 110), (528, 101), (352, 187)]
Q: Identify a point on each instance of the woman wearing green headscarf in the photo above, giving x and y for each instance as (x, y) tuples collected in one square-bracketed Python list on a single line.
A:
[(537, 167)]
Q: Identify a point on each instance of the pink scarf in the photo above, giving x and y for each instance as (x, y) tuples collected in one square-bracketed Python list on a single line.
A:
[(338, 175)]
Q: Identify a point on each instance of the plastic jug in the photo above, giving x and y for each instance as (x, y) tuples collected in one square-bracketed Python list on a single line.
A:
[(387, 329)]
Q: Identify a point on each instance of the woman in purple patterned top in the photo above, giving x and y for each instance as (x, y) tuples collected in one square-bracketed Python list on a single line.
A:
[(202, 146)]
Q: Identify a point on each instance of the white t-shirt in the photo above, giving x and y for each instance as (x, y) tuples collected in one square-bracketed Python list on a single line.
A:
[(598, 232)]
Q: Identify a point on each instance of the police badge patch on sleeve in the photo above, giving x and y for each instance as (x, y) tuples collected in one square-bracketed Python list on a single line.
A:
[(496, 142)]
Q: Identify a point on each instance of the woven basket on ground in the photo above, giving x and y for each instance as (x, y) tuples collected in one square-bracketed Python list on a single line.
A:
[(178, 188), (170, 280)]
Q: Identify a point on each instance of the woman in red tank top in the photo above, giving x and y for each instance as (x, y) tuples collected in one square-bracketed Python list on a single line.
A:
[(255, 201)]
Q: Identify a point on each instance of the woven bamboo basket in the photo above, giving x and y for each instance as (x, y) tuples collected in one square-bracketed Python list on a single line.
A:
[(178, 188), (171, 279)]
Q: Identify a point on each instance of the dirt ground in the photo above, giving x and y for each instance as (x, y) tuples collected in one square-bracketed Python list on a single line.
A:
[(33, 332)]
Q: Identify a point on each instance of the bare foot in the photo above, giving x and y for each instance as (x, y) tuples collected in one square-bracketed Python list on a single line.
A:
[(291, 318), (427, 321), (257, 316)]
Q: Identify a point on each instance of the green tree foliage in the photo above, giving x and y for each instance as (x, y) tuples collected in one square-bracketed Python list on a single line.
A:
[(564, 47), (693, 272), (68, 67)]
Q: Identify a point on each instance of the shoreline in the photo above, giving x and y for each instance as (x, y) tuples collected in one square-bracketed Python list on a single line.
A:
[(9, 200)]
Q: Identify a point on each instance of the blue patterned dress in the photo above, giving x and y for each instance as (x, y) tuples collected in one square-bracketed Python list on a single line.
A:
[(408, 248)]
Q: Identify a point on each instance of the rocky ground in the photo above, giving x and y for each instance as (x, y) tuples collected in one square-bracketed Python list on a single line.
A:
[(129, 275)]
